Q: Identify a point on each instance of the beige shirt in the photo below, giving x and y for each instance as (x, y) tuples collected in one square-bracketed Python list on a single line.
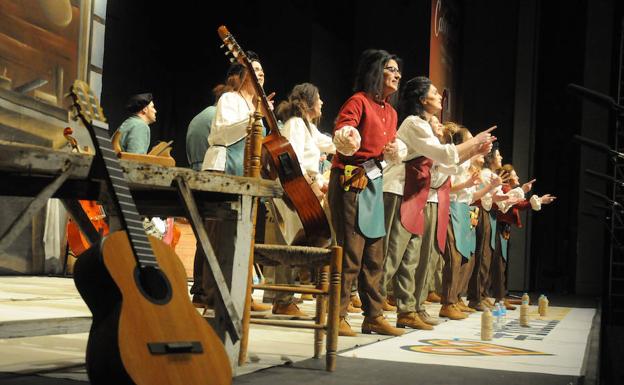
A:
[(228, 127), (418, 138), (308, 145)]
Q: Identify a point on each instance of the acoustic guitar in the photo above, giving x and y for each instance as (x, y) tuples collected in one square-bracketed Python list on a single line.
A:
[(279, 156), (145, 330)]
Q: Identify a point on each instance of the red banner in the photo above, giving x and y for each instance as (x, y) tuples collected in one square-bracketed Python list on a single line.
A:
[(444, 54)]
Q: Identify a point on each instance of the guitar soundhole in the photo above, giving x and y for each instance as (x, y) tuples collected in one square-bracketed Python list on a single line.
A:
[(286, 163), (153, 284)]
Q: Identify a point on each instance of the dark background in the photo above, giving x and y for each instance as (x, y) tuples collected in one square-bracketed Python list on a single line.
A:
[(172, 50)]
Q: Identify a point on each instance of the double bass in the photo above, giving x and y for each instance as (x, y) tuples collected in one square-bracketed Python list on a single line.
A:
[(279, 158)]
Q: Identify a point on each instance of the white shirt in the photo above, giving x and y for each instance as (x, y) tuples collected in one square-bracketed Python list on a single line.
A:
[(486, 200), (464, 195), (228, 127), (308, 145), (419, 139), (439, 174)]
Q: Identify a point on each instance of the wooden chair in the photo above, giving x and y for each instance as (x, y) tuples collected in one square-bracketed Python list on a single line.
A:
[(327, 291), (328, 261)]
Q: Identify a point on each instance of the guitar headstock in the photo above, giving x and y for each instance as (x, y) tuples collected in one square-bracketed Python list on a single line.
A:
[(232, 47), (239, 55), (86, 105)]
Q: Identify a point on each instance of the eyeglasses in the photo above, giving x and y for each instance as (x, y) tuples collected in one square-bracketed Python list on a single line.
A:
[(393, 70)]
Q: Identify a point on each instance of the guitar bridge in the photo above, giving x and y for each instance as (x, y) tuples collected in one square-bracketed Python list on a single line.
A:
[(181, 347)]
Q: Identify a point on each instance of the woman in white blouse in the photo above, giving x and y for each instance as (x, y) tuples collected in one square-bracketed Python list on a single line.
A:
[(410, 239), (299, 113), (229, 128), (466, 188)]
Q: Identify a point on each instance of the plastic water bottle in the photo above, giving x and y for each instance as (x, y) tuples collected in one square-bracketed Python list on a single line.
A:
[(498, 313), (503, 312)]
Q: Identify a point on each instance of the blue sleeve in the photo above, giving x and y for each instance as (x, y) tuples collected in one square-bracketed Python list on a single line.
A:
[(137, 139)]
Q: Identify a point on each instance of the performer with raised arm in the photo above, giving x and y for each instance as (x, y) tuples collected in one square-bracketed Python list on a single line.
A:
[(504, 221), (460, 239), (485, 238), (416, 204), (364, 137)]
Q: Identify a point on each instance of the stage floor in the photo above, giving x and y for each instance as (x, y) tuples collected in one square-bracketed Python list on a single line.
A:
[(553, 350), (554, 344)]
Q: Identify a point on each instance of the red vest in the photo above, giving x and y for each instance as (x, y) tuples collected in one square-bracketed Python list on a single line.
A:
[(415, 194), (512, 216)]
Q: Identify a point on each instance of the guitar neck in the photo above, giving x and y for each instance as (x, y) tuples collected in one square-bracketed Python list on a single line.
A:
[(131, 220), (270, 115)]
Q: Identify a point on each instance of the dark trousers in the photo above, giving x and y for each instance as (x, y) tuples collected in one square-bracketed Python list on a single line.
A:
[(498, 270), (451, 278), (465, 272), (224, 251), (362, 256), (479, 280)]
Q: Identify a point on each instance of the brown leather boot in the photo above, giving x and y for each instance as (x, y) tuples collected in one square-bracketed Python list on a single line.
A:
[(379, 325), (433, 297), (355, 301), (255, 306), (508, 305), (353, 310), (451, 311), (463, 307), (478, 306), (290, 309), (344, 329), (412, 320), (488, 302), (427, 318), (387, 307)]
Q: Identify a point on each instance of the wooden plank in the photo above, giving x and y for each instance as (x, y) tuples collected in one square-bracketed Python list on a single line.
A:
[(44, 327), (38, 38), (26, 56), (155, 175), (29, 159), (238, 248), (233, 317)]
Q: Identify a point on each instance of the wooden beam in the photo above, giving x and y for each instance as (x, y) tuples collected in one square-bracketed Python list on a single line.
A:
[(44, 327), (29, 159)]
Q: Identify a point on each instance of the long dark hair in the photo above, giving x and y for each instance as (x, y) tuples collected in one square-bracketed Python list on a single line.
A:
[(410, 102), (489, 158), (234, 77), (369, 76), (300, 100)]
